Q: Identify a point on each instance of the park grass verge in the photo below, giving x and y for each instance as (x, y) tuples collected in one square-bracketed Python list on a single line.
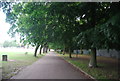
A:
[(105, 72), (16, 62)]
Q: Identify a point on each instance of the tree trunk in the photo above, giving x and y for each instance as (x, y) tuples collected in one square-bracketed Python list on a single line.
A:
[(55, 49), (44, 49), (40, 49), (35, 54), (64, 51), (81, 51), (70, 53), (77, 54), (93, 61), (49, 49)]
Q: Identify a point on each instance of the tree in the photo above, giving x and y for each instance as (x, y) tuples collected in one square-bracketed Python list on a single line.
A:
[(31, 26), (94, 37), (67, 27), (10, 44), (6, 44)]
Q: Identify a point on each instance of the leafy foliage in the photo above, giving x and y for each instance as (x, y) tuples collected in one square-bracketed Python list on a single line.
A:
[(71, 26), (10, 44)]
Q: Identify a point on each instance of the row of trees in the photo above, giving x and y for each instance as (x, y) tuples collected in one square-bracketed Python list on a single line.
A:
[(66, 26), (9, 44)]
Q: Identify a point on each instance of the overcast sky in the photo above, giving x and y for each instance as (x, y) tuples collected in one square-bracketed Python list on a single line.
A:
[(4, 27)]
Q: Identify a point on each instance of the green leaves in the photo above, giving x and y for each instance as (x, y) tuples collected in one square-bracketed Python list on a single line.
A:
[(84, 25)]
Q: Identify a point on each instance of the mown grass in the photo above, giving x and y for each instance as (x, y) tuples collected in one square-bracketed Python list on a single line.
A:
[(104, 72), (16, 62)]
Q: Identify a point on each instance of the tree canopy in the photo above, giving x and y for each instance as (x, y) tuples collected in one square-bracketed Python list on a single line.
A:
[(66, 26)]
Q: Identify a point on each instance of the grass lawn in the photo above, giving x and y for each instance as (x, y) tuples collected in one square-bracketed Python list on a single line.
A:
[(16, 61), (107, 70)]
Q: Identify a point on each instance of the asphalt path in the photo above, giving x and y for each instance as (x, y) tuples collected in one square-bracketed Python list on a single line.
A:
[(0, 74), (0, 69), (50, 66)]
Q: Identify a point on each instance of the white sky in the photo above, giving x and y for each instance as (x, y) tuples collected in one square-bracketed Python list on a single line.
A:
[(4, 27)]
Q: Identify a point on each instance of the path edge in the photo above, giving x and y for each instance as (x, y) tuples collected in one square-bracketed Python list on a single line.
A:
[(79, 69)]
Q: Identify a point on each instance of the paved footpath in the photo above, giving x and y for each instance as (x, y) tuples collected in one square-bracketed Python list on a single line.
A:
[(0, 69), (50, 66), (0, 74)]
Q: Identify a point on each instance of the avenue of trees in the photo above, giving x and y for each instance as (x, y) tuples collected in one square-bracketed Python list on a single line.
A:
[(66, 26), (10, 44)]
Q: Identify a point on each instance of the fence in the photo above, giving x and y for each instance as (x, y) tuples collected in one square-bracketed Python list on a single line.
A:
[(102, 52)]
